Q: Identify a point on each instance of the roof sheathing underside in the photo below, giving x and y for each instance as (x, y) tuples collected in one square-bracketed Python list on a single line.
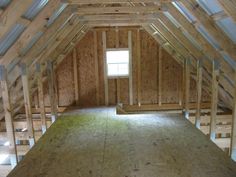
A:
[(175, 25)]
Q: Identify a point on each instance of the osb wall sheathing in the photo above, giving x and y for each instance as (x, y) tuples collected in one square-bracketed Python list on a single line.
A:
[(172, 72)]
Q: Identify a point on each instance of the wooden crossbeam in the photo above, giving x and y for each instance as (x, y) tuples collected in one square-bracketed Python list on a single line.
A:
[(118, 10), (114, 23), (113, 1), (118, 17)]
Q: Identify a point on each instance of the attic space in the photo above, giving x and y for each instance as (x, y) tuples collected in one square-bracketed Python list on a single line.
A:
[(116, 88)]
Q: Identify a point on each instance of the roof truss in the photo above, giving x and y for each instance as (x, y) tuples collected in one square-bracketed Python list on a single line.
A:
[(81, 14)]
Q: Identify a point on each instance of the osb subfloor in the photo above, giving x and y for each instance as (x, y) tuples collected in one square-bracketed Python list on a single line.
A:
[(97, 143)]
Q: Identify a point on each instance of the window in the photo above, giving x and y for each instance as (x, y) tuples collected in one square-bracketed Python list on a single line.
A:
[(117, 62)]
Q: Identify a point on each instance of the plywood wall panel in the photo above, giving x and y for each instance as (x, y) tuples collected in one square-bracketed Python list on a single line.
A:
[(170, 79), (172, 72), (87, 85), (65, 82), (149, 55)]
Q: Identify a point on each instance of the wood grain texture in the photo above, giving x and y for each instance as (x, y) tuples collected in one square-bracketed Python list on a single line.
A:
[(96, 142)]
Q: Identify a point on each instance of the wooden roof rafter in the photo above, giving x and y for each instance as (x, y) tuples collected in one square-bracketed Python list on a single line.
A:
[(13, 14), (36, 26), (109, 15), (204, 19)]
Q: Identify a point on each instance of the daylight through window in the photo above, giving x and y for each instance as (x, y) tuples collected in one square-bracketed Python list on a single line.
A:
[(117, 63)]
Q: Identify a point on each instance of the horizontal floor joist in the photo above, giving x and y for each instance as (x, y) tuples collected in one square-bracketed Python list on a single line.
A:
[(21, 124), (21, 149), (157, 107), (20, 136)]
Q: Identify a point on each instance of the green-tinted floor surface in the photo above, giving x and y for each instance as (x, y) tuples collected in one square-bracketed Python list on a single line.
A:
[(98, 143)]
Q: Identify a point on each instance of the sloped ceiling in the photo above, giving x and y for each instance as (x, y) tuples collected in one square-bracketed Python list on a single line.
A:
[(40, 30)]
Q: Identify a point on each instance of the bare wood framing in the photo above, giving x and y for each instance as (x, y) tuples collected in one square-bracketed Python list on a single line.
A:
[(52, 92), (104, 43), (8, 116), (139, 78), (233, 130), (113, 1), (76, 84), (187, 87), (225, 43), (101, 17), (199, 94), (214, 98), (13, 13), (130, 68), (117, 10), (160, 76), (27, 101), (41, 97), (229, 7), (96, 67), (118, 79)]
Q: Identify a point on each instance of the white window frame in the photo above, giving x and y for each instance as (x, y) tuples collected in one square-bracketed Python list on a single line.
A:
[(117, 76)]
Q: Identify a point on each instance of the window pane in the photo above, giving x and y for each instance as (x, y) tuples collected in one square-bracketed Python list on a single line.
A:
[(123, 69), (117, 62), (118, 56), (112, 69)]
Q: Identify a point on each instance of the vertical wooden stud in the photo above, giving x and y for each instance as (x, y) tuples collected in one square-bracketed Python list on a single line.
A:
[(130, 68), (41, 97), (36, 100), (199, 94), (187, 88), (55, 83), (160, 77), (52, 91), (118, 79), (96, 67), (27, 102), (139, 67), (76, 84), (214, 98), (8, 116), (233, 130), (104, 43)]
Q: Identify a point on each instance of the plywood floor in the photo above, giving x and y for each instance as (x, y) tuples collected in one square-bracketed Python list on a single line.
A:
[(97, 143)]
